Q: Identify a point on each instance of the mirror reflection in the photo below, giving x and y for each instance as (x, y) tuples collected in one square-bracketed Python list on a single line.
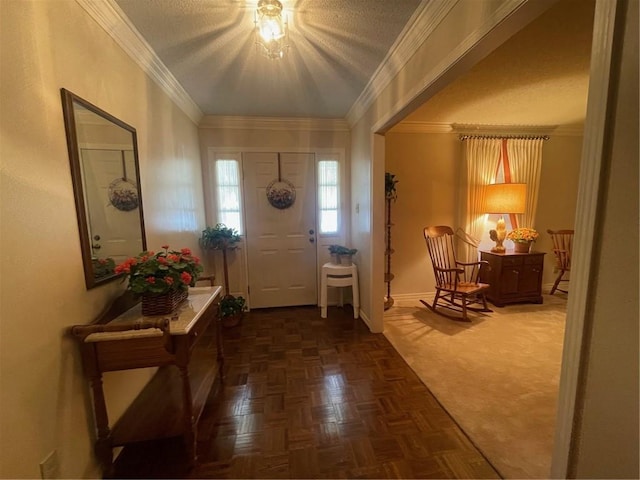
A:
[(105, 173)]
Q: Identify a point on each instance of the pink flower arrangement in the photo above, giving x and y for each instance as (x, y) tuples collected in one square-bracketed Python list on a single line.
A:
[(161, 272), (522, 235)]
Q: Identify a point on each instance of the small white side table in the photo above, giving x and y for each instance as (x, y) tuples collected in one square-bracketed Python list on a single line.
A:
[(339, 276)]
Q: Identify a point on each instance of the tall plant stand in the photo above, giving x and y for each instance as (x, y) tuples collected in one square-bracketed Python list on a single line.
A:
[(388, 276)]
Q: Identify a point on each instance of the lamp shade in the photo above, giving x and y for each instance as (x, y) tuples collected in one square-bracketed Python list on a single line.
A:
[(505, 198)]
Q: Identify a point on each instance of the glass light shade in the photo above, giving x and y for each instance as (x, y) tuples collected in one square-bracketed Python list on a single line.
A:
[(271, 29), (505, 198)]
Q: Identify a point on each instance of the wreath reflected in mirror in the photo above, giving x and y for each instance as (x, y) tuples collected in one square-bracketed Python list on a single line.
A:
[(123, 195), (281, 194)]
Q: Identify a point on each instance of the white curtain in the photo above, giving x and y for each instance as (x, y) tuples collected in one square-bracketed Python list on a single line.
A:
[(481, 157), (525, 160)]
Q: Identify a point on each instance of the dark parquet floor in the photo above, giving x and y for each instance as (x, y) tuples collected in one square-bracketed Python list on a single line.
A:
[(306, 397)]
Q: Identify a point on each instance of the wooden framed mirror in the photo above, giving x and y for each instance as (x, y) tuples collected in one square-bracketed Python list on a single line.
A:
[(103, 153)]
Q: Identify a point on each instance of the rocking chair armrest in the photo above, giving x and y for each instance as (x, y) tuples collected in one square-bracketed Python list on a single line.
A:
[(479, 262), (447, 270)]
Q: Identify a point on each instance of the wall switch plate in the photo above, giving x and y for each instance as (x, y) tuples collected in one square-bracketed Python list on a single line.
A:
[(49, 467)]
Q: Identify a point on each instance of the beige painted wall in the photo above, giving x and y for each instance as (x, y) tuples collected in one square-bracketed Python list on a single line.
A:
[(558, 196), (427, 166), (45, 46)]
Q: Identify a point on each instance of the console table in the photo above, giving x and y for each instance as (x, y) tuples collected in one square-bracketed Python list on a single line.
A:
[(185, 344), (513, 277)]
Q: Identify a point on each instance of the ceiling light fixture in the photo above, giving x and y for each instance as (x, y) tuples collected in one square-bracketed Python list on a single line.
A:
[(271, 29)]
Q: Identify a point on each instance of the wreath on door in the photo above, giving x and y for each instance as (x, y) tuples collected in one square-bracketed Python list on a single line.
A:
[(281, 193)]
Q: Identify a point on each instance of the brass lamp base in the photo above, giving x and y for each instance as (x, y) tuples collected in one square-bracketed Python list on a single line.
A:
[(498, 235)]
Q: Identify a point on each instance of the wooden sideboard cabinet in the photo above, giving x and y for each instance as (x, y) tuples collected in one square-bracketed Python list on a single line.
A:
[(185, 345), (513, 277)]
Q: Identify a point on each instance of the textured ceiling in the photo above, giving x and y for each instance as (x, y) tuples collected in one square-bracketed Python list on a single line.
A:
[(538, 77), (208, 45)]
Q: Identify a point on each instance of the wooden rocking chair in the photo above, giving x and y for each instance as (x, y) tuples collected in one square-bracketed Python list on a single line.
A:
[(456, 282), (562, 244)]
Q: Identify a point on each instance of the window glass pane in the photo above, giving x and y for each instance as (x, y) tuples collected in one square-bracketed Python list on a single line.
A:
[(328, 190), (328, 221), (228, 186)]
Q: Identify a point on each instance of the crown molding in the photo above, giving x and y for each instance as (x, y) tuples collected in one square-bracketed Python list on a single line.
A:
[(480, 129), (421, 127), (114, 21), (457, 128), (275, 123), (539, 130), (419, 27), (507, 8)]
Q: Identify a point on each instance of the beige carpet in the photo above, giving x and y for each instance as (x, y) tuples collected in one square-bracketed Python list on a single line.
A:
[(497, 376)]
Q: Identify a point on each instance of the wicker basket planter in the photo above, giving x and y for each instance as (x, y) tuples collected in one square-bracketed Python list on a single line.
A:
[(162, 304)]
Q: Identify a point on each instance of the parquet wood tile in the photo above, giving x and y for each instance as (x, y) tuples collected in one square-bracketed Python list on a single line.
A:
[(306, 397)]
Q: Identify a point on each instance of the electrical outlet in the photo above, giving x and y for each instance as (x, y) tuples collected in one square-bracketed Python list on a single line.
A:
[(49, 467)]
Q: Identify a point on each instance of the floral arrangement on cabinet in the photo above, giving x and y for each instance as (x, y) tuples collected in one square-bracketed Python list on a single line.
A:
[(522, 235), (162, 272)]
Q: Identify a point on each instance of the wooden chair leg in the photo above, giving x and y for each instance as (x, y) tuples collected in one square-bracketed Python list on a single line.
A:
[(464, 310), (557, 282)]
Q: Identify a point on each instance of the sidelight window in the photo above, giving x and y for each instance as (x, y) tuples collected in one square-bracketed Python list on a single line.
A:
[(328, 196), (228, 187)]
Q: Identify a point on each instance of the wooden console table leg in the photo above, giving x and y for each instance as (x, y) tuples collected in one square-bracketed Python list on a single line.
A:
[(103, 449), (219, 345), (189, 435)]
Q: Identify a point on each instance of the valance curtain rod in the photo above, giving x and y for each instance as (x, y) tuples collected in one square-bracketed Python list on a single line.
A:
[(517, 137)]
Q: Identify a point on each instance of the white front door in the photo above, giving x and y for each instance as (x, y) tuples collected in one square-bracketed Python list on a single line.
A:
[(281, 247)]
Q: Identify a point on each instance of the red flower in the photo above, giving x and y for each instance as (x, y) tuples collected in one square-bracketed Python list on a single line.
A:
[(168, 280), (151, 279), (196, 259), (123, 268), (162, 260), (166, 247), (185, 277), (174, 258), (185, 251)]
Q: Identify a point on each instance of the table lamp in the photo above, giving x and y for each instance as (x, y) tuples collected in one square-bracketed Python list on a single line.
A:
[(503, 198)]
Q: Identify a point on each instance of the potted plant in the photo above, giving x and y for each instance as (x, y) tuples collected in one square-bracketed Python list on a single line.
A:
[(522, 239), (231, 309), (390, 186), (225, 238), (341, 255), (219, 237), (163, 279)]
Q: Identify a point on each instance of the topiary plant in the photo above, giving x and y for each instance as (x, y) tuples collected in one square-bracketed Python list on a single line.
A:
[(219, 237)]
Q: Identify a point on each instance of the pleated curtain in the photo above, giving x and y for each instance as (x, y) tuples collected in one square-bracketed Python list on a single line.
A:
[(525, 160), (481, 157)]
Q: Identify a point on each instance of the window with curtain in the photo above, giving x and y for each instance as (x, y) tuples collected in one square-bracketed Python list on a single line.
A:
[(328, 196), (228, 188), (499, 160)]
